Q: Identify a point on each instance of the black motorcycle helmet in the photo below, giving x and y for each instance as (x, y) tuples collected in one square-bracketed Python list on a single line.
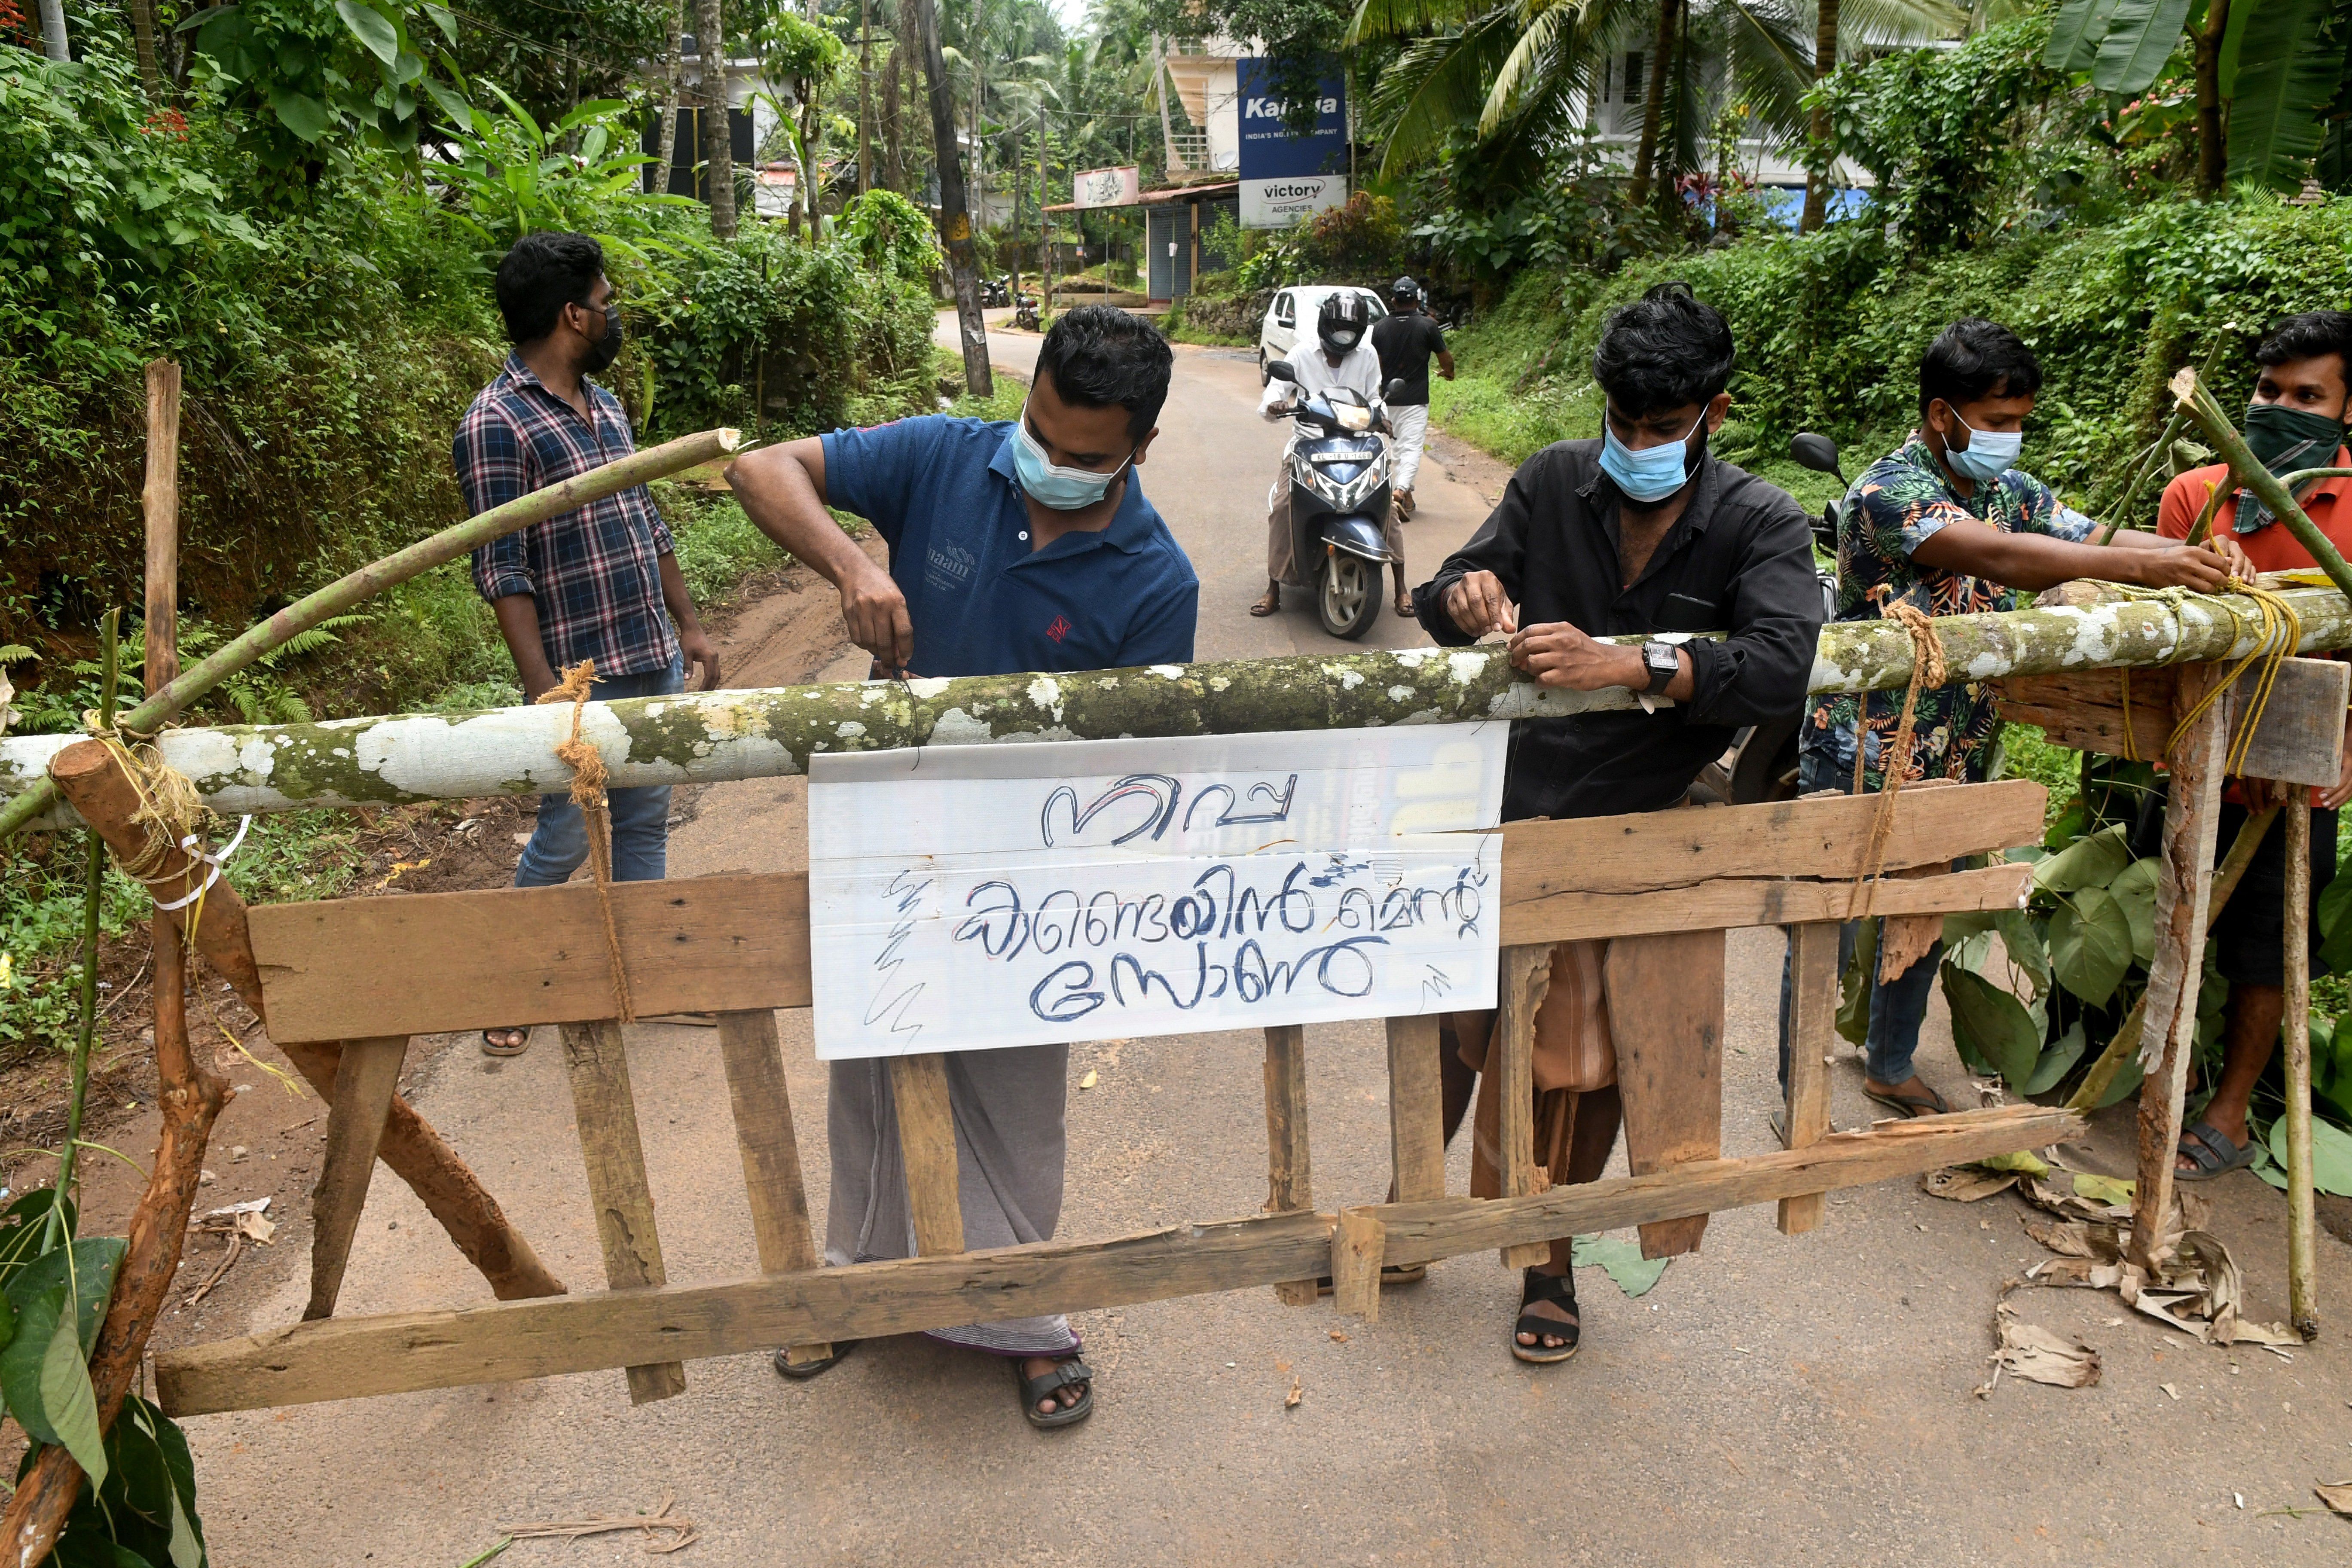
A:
[(1340, 323), (1405, 295)]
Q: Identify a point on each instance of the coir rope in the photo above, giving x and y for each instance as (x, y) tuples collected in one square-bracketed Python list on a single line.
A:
[(587, 765)]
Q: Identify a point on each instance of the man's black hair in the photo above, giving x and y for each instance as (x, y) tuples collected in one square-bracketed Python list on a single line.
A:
[(542, 273), (1665, 349), (1098, 355), (1974, 358), (2308, 336)]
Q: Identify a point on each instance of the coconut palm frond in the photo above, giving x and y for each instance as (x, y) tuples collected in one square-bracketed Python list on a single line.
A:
[(1438, 85), (1405, 18), (1771, 63), (1531, 66), (1880, 23)]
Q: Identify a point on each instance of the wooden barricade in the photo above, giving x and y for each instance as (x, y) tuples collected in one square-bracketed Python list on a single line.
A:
[(1665, 886)]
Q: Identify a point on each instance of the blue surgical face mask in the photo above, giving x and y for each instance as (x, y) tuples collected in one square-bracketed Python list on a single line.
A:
[(1048, 485), (1990, 454), (1653, 472)]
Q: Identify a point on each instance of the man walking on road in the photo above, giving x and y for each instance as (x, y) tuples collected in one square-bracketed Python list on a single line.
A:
[(1947, 525), (1642, 531), (2295, 421), (1343, 357), (1014, 547), (600, 583), (1404, 343)]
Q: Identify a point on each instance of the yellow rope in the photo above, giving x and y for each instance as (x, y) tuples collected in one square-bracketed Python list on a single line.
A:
[(2277, 634)]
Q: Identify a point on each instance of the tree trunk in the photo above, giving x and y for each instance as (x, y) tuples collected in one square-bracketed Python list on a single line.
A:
[(718, 142), (1662, 56), (812, 145), (2212, 136), (864, 98), (712, 737), (53, 42), (976, 48), (1825, 49), (673, 92), (143, 33), (955, 215)]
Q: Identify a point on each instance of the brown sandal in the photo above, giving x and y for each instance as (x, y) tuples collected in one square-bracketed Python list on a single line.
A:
[(491, 1048), (1269, 604)]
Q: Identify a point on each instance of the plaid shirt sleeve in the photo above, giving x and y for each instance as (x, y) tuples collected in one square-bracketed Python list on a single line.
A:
[(493, 468)]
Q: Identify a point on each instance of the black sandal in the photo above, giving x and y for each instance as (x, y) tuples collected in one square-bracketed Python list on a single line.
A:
[(1561, 1291), (802, 1371), (1067, 1370)]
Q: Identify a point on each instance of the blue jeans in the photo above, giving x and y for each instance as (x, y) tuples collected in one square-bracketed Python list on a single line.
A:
[(1898, 1007), (559, 843)]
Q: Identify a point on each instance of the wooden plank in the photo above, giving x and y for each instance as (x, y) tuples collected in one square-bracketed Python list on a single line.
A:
[(1812, 1034), (1290, 1168), (2297, 739), (927, 1142), (1665, 1013), (2084, 709), (351, 1357), (1526, 977), (2302, 1239), (1820, 836), (598, 1062), (2299, 736), (366, 1078), (1568, 913), (762, 1104), (2184, 885), (531, 954), (740, 943), (1416, 1109), (1358, 1242)]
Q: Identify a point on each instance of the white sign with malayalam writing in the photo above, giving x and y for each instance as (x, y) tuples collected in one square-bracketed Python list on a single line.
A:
[(1107, 188), (972, 896)]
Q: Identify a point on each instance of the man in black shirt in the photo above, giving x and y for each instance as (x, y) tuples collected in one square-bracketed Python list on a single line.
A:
[(1404, 343), (1640, 533)]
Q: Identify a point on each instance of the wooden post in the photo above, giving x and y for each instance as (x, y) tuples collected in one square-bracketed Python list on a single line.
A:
[(160, 502), (1526, 978), (1416, 1109), (93, 783), (599, 1064), (762, 1104), (1289, 1170), (2191, 817), (2302, 1244), (1812, 1021), (1665, 1012), (366, 1078), (927, 1142), (1358, 1244)]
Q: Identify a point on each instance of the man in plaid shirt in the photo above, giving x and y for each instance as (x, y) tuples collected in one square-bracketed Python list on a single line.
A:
[(601, 583)]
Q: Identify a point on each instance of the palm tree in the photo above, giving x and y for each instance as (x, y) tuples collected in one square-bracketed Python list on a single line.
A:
[(1523, 72)]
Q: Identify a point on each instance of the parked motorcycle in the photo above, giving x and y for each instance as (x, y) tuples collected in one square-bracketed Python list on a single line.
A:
[(1762, 762), (1025, 313), (995, 293), (1338, 467)]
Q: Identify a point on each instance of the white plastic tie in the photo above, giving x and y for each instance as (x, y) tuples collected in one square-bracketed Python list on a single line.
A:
[(218, 863)]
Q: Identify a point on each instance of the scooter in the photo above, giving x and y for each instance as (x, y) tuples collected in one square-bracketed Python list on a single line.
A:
[(1762, 762), (1339, 500), (995, 293)]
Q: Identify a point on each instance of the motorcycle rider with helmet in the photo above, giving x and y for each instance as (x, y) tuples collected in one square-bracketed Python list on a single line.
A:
[(1344, 358)]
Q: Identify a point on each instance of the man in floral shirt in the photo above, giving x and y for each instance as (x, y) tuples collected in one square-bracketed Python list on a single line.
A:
[(1947, 525)]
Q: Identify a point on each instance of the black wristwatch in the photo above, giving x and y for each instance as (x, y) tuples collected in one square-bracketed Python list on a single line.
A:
[(1664, 663)]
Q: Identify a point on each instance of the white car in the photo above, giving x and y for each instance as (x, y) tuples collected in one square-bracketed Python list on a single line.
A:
[(1291, 318)]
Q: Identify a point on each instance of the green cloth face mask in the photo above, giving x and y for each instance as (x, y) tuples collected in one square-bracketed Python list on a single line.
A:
[(2285, 440)]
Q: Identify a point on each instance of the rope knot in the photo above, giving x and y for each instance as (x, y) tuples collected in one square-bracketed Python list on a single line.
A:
[(588, 775)]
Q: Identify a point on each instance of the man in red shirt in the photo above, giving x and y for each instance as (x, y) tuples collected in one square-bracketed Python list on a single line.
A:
[(2295, 421)]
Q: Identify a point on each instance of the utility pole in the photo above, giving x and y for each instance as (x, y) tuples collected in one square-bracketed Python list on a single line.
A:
[(955, 215), (718, 137)]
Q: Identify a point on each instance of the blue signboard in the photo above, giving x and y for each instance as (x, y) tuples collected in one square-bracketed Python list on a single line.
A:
[(1268, 148)]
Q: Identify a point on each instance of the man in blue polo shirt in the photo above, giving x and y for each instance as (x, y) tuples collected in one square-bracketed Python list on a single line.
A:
[(1015, 545)]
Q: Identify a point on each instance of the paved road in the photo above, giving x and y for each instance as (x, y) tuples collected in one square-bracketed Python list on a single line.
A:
[(1771, 1401)]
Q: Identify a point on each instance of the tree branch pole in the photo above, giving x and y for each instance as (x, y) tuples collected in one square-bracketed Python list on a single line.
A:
[(422, 556), (2160, 457), (2302, 1244), (710, 736), (2248, 471)]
